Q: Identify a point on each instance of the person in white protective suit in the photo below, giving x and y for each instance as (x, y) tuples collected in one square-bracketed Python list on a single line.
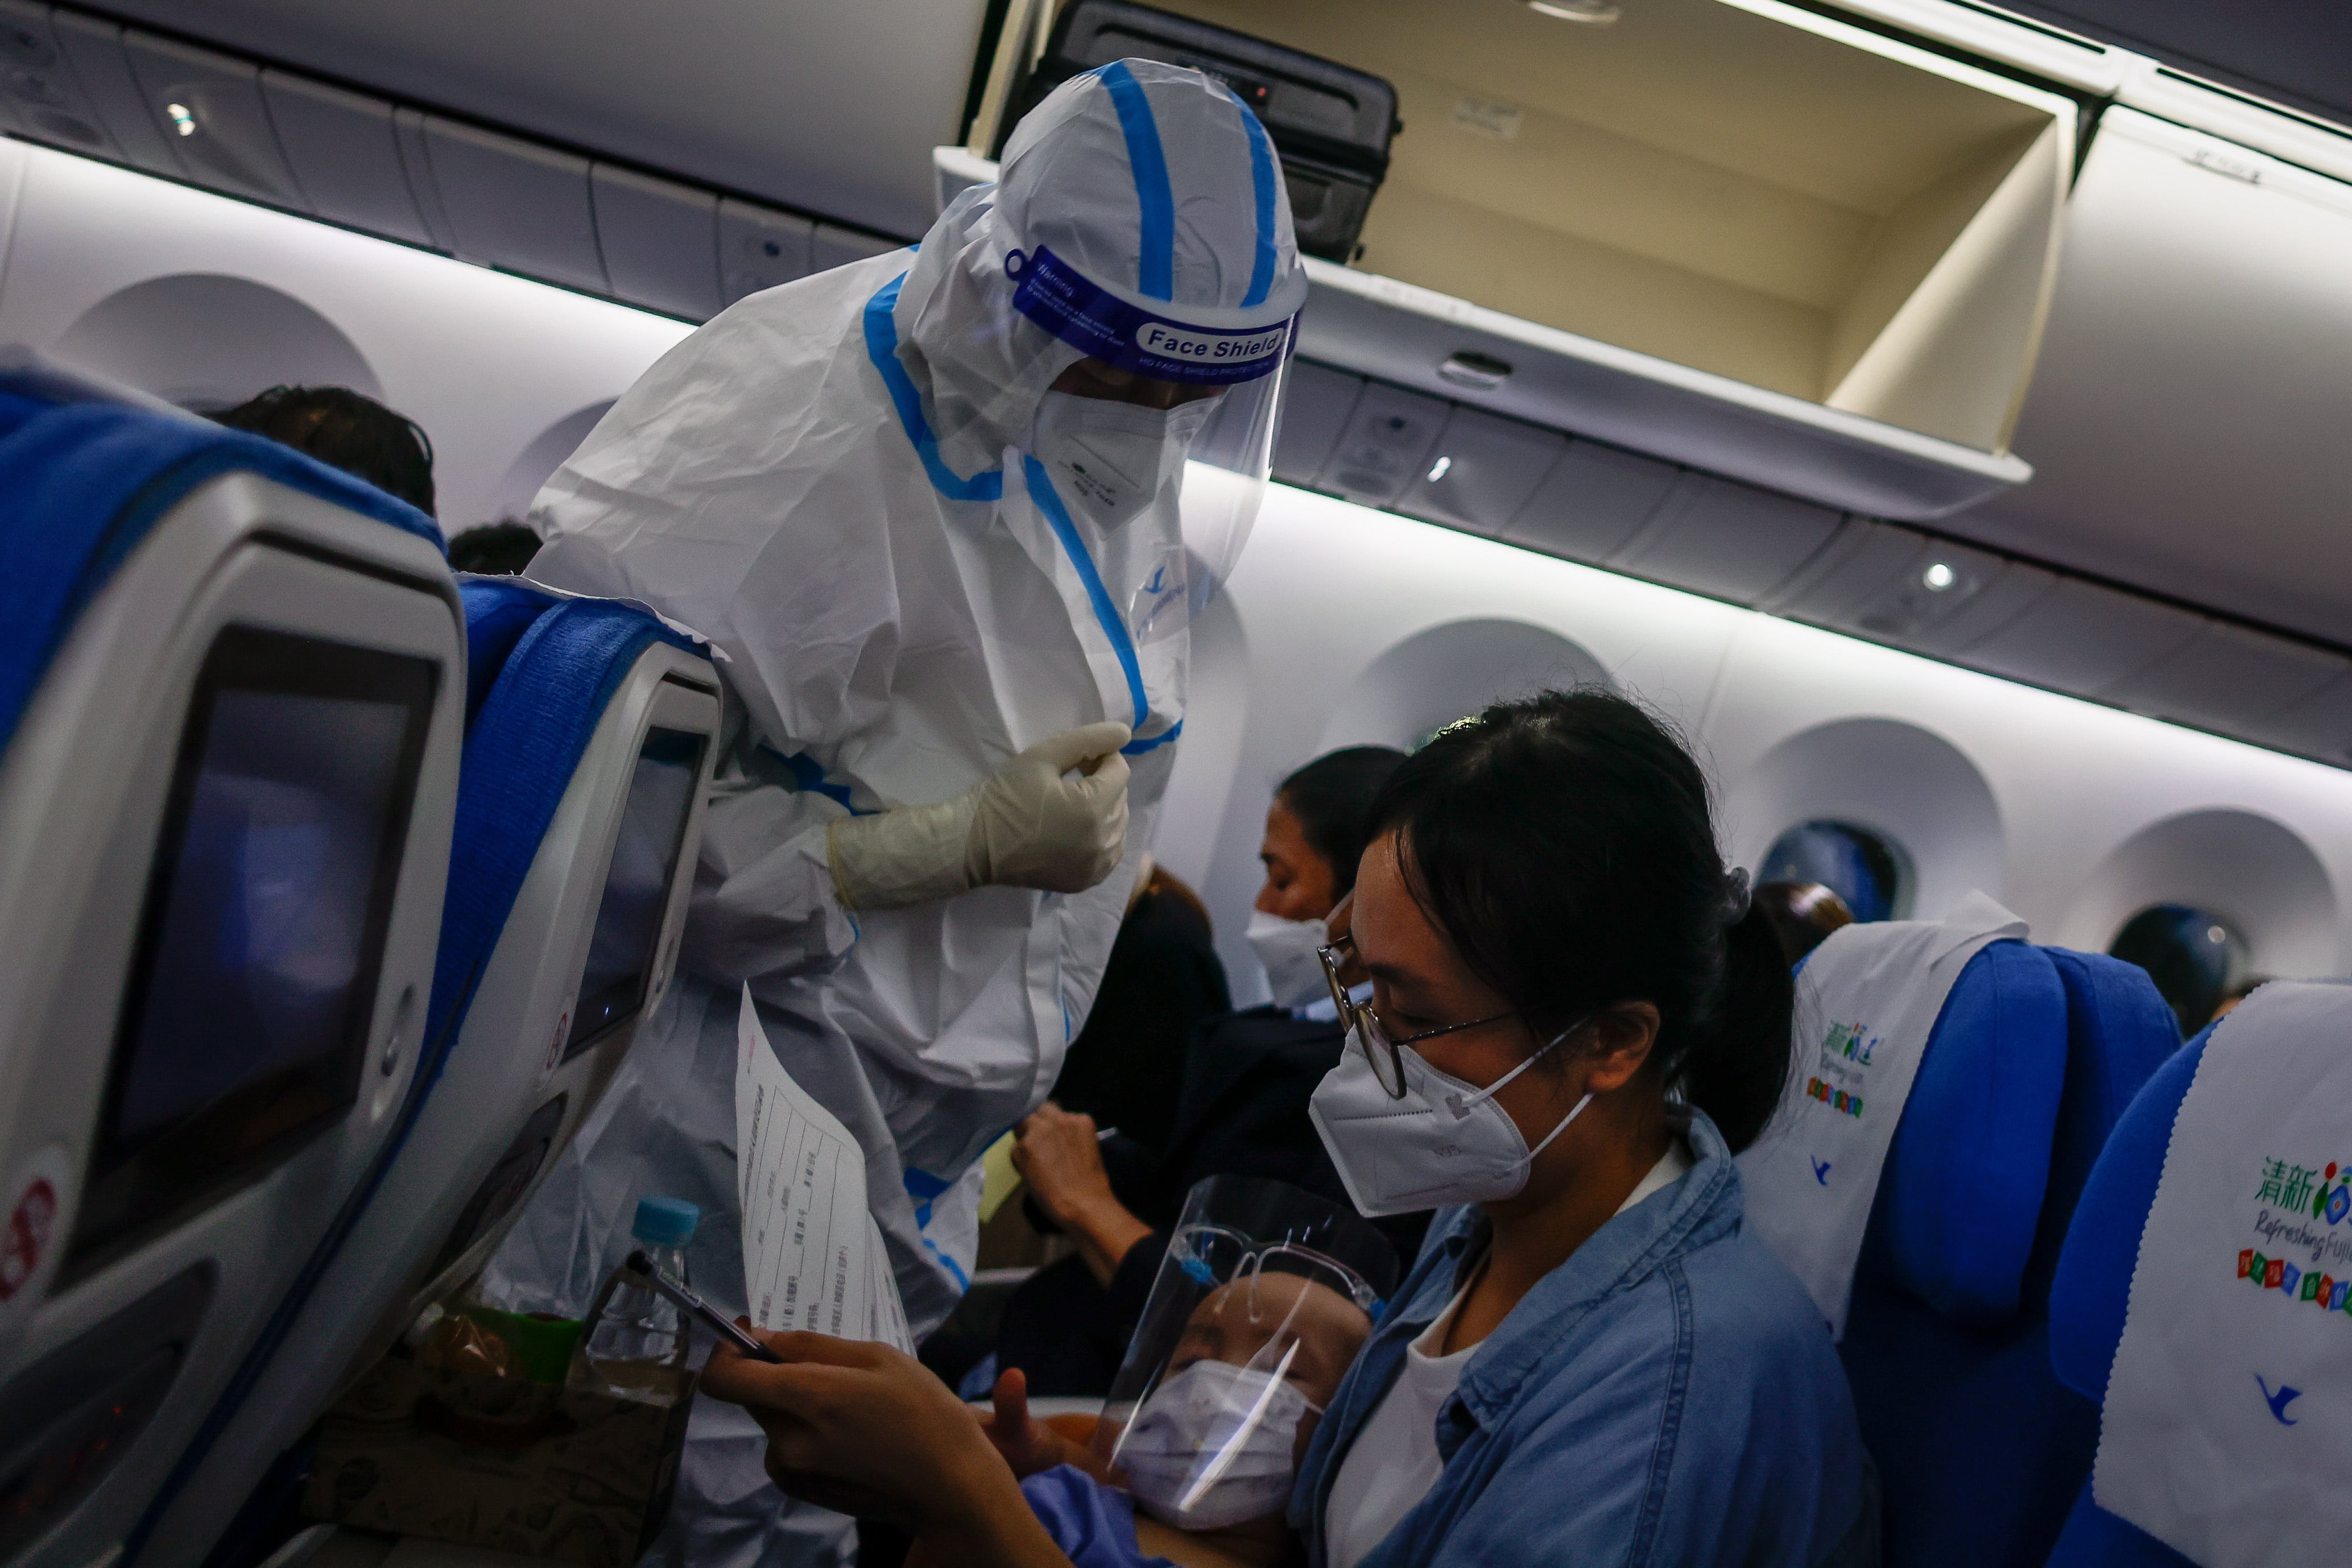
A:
[(926, 508)]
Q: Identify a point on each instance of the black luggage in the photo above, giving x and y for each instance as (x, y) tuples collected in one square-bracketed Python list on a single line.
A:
[(1330, 124)]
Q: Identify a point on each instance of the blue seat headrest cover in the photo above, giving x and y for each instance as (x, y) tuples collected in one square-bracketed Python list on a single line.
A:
[(2093, 1285), (80, 486), (2119, 1031), (1962, 1190), (499, 611), (520, 757)]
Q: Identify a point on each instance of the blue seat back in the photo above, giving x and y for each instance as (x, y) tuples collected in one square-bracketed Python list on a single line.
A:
[(80, 486), (520, 757), (520, 753), (2086, 1309), (166, 575), (1980, 1449), (1936, 1345)]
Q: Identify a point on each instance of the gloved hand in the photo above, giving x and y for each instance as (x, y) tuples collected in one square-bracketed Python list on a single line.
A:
[(1026, 826)]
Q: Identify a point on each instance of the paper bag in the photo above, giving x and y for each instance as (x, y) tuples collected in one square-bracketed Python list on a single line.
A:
[(567, 1474)]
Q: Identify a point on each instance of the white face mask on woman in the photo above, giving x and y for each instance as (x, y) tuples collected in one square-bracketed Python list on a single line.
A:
[(1445, 1142), (1109, 459), (1214, 1445), (1287, 948)]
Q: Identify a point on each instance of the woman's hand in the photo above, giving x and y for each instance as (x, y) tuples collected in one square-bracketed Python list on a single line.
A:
[(854, 1426), (863, 1429), (1059, 1153)]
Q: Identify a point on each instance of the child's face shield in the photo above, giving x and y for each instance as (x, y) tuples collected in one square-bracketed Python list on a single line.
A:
[(1265, 1297)]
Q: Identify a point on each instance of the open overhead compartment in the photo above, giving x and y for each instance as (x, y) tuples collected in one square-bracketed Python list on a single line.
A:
[(1732, 232), (2190, 413)]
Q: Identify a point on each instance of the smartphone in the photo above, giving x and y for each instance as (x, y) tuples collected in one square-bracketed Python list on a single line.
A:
[(720, 1324)]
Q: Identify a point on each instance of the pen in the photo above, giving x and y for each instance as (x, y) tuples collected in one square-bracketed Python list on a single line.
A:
[(644, 1268)]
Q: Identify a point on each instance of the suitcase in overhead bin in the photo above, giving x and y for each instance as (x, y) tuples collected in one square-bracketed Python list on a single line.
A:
[(1330, 124)]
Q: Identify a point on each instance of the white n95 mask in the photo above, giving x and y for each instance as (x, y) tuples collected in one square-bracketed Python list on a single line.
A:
[(1287, 949), (1213, 1445), (1445, 1142), (1109, 459)]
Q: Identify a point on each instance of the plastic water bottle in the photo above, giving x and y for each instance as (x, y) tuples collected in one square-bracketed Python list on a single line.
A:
[(640, 1338)]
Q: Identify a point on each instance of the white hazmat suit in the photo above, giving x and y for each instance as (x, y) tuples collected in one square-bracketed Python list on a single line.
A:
[(918, 564)]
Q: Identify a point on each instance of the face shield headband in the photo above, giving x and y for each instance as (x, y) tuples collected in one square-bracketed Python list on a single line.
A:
[(1129, 336)]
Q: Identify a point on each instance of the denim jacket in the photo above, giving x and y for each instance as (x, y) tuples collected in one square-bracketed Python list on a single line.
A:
[(1668, 1395)]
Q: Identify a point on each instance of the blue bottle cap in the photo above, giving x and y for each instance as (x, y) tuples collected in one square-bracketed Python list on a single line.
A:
[(666, 1221)]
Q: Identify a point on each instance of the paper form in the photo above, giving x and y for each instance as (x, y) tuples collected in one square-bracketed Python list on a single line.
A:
[(813, 1257)]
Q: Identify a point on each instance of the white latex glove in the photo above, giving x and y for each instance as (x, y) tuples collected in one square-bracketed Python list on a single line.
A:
[(1026, 827)]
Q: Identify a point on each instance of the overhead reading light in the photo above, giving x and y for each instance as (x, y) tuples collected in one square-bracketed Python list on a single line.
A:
[(182, 117), (1437, 469), (1591, 12), (1937, 577)]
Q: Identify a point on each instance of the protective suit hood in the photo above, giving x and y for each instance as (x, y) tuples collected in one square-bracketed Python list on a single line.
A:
[(1112, 233)]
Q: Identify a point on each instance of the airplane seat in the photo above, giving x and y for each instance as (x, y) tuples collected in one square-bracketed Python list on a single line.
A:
[(578, 822), (2091, 1291), (2119, 1030), (1945, 1353), (1980, 1449), (499, 611), (230, 729)]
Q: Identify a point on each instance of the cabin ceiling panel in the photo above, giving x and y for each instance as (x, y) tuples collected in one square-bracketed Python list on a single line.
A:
[(831, 106)]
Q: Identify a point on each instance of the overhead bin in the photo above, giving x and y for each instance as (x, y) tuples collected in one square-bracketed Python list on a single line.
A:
[(1727, 539), (2190, 409), (266, 133), (514, 203), (659, 240), (2082, 637), (340, 147), (2319, 726), (2231, 677), (417, 159), (1732, 232)]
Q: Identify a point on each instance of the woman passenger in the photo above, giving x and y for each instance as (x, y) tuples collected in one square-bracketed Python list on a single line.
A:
[(1239, 1107), (1577, 1020)]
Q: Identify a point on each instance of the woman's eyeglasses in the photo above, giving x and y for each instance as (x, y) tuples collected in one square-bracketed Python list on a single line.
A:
[(1385, 1054)]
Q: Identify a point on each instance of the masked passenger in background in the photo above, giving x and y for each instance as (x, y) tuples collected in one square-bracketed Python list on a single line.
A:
[(1239, 1107), (927, 510)]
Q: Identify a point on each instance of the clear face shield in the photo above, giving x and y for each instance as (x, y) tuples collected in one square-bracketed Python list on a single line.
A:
[(1265, 1297), (1154, 443)]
